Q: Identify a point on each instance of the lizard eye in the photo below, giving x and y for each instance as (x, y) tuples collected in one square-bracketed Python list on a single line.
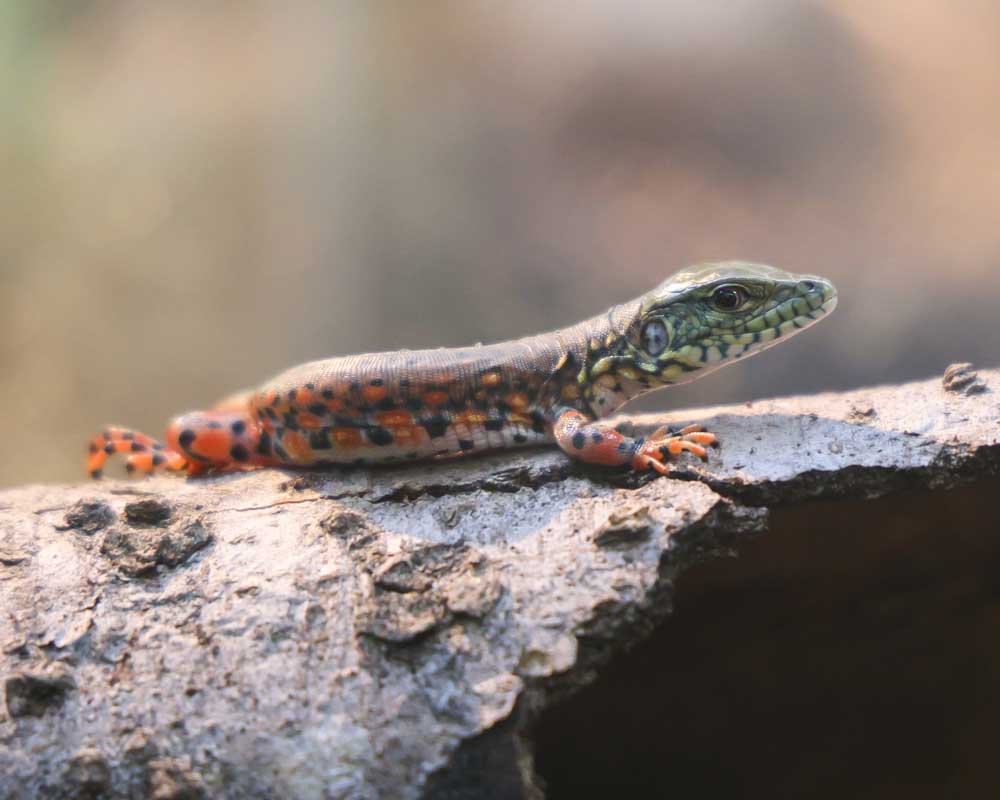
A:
[(729, 297), (654, 337)]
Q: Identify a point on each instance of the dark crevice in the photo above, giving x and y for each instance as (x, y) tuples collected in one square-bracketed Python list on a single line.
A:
[(954, 466), (852, 651)]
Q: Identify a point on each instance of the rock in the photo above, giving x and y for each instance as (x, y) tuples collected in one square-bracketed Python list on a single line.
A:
[(396, 632), (88, 775), (88, 516), (34, 691), (963, 379)]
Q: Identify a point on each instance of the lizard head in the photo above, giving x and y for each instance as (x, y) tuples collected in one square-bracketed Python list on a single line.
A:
[(710, 315)]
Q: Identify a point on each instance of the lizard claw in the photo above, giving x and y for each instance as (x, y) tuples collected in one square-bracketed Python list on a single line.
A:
[(662, 444)]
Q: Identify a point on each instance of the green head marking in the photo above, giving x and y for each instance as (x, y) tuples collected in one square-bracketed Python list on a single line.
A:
[(713, 314)]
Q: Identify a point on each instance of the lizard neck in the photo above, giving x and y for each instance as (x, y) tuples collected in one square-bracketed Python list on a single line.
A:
[(588, 344)]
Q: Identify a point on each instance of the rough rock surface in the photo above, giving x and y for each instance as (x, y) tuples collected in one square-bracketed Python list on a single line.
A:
[(392, 633)]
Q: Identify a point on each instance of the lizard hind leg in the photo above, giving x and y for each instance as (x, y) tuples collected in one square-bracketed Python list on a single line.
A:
[(223, 440)]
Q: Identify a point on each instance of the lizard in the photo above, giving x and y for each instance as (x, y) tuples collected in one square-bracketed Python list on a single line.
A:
[(551, 387)]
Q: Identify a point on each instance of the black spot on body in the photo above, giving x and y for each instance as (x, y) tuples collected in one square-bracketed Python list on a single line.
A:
[(271, 413), (386, 404), (327, 394), (109, 448), (579, 440), (239, 453), (137, 447), (280, 452), (414, 403), (520, 438), (493, 424), (379, 436), (317, 409), (291, 423), (238, 427), (466, 444), (538, 422), (291, 395), (128, 436), (596, 437), (320, 439), (159, 459), (214, 424), (264, 444), (435, 426), (311, 387), (376, 382)]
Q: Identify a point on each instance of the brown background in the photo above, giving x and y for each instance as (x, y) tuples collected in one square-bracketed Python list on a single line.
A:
[(196, 196)]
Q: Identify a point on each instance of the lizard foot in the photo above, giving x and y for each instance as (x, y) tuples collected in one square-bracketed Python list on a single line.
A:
[(145, 454), (664, 443)]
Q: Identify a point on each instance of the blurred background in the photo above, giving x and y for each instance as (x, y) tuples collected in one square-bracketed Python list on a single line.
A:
[(199, 195)]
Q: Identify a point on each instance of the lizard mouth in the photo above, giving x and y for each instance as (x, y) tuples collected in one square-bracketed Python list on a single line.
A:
[(813, 300)]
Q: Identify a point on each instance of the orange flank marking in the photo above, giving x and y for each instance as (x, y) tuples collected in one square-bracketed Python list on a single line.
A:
[(436, 398), (297, 447), (491, 379), (305, 397), (267, 424), (373, 394), (519, 419), (518, 401), (471, 418), (393, 418), (309, 421), (335, 405), (409, 435), (347, 437)]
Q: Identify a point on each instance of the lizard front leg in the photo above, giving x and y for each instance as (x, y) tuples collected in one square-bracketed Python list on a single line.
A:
[(598, 443)]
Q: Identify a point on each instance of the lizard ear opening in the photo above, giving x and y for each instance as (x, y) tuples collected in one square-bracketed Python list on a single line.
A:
[(654, 337)]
